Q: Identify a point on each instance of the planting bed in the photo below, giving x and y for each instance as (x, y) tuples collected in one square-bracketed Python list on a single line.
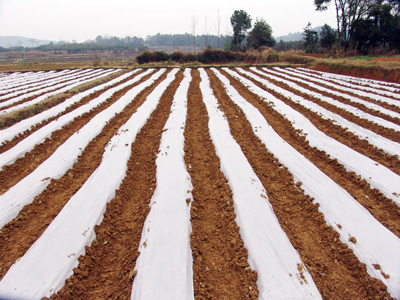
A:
[(220, 183)]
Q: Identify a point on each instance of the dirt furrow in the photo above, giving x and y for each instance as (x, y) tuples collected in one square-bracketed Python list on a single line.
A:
[(220, 267), (358, 87), (386, 132), (354, 94), (331, 94), (8, 145), (21, 86), (383, 209), (13, 173), (106, 271), (333, 130), (18, 235), (335, 269), (28, 111), (41, 94)]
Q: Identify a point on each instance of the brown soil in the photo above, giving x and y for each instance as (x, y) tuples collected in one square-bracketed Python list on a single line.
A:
[(335, 269), (357, 87), (385, 210), (18, 235), (377, 73), (9, 144), (220, 266), (41, 94), (112, 256), (386, 132), (354, 93), (13, 173), (335, 131), (21, 85), (26, 112), (358, 105)]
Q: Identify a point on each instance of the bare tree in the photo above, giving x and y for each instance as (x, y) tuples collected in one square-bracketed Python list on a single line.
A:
[(218, 27), (348, 12), (205, 31), (193, 25)]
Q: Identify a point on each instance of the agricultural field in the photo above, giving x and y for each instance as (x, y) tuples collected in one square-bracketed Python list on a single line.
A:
[(200, 183)]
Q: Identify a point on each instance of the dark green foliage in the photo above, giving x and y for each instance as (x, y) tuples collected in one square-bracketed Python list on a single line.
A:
[(261, 35), (321, 5), (327, 37), (218, 56), (365, 24), (101, 44), (184, 40), (208, 56), (311, 39), (379, 29), (292, 45), (241, 22), (156, 56), (177, 56)]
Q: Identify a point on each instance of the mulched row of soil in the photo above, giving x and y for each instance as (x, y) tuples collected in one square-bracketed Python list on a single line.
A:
[(386, 132), (41, 94), (18, 235), (13, 173), (335, 269), (34, 89), (9, 144), (383, 209), (220, 261)]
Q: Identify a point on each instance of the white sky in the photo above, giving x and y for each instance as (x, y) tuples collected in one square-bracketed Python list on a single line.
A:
[(82, 20)]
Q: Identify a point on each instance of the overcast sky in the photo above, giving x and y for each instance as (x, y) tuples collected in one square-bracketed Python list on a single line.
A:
[(83, 20)]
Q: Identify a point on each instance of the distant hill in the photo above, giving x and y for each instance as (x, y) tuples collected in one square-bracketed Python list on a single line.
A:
[(19, 41), (297, 36)]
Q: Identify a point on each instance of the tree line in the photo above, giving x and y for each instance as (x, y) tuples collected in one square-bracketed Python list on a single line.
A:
[(365, 24), (362, 25)]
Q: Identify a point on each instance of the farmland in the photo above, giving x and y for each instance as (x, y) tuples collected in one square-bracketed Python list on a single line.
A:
[(200, 183)]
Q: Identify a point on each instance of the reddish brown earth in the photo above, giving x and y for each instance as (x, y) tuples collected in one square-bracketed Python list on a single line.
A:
[(18, 235), (220, 266), (220, 260), (391, 75), (336, 271)]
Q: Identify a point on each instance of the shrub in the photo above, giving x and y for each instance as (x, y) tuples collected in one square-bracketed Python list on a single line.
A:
[(160, 56), (177, 56), (144, 57), (189, 57), (148, 56), (273, 57)]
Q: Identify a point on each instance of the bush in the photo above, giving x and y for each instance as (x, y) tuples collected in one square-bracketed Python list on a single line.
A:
[(177, 56), (208, 56), (189, 57), (273, 57), (148, 56), (160, 56)]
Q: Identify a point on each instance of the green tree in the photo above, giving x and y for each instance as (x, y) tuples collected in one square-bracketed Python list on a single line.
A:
[(327, 37), (348, 12), (241, 22), (261, 35), (311, 38), (379, 29)]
